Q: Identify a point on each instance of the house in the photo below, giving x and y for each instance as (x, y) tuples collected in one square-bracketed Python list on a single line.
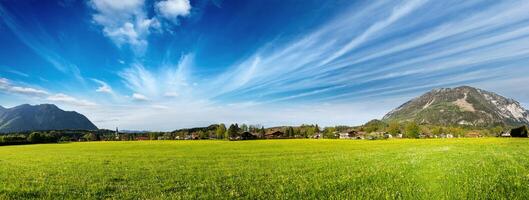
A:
[(473, 134), (275, 134), (426, 135), (519, 132), (359, 135), (141, 138), (347, 135), (193, 136), (506, 134), (248, 136), (350, 134)]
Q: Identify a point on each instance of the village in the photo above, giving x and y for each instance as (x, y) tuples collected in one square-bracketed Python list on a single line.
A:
[(365, 132)]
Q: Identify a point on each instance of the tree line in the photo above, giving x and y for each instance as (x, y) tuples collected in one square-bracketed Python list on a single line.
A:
[(244, 132)]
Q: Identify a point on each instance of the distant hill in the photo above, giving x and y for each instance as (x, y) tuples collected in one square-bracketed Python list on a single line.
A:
[(461, 106), (41, 117)]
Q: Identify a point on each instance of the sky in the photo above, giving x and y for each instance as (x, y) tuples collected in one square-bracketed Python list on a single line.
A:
[(168, 64)]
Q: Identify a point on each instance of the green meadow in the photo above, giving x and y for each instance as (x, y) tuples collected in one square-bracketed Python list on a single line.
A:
[(485, 168)]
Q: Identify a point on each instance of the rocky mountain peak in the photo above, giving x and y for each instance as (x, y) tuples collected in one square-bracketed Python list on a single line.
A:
[(463, 105)]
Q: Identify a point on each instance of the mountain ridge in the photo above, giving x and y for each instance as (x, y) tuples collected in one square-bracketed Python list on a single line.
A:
[(41, 117), (462, 105)]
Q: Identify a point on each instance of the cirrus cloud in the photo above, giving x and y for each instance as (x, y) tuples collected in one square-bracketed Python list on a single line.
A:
[(103, 87), (63, 98), (7, 86)]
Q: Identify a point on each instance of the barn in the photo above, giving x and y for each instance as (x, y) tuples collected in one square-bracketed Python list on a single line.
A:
[(519, 132)]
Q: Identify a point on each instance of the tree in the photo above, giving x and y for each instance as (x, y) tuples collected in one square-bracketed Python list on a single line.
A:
[(233, 131), (203, 134), (65, 139), (329, 133), (90, 137), (496, 130), (374, 126), (152, 136), (290, 131), (220, 131), (437, 130), (35, 138), (262, 132), (457, 132), (244, 128), (311, 131), (412, 130), (168, 136), (394, 128), (297, 132)]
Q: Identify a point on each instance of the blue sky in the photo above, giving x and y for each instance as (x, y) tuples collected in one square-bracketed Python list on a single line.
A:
[(167, 64)]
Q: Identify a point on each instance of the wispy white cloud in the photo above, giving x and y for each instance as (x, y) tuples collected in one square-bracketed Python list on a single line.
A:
[(7, 86), (170, 94), (103, 87), (171, 80), (13, 88), (27, 91), (139, 97), (16, 72), (139, 79), (395, 15), (63, 98), (344, 57)]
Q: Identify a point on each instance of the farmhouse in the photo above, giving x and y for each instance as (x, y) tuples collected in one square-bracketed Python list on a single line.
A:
[(446, 136), (276, 134), (359, 135), (505, 134), (519, 132), (473, 134), (248, 136), (347, 135), (352, 134), (142, 138)]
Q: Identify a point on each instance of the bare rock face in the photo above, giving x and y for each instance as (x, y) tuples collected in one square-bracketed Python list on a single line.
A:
[(41, 117), (461, 106)]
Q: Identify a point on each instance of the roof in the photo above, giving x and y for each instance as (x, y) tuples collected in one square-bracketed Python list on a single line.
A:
[(275, 133)]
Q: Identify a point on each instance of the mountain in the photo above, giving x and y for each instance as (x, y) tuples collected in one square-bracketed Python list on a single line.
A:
[(463, 106), (41, 117)]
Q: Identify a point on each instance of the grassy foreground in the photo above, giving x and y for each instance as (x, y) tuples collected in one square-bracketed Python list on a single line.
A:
[(493, 168)]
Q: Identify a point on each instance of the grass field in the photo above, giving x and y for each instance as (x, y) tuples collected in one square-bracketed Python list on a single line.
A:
[(493, 168)]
